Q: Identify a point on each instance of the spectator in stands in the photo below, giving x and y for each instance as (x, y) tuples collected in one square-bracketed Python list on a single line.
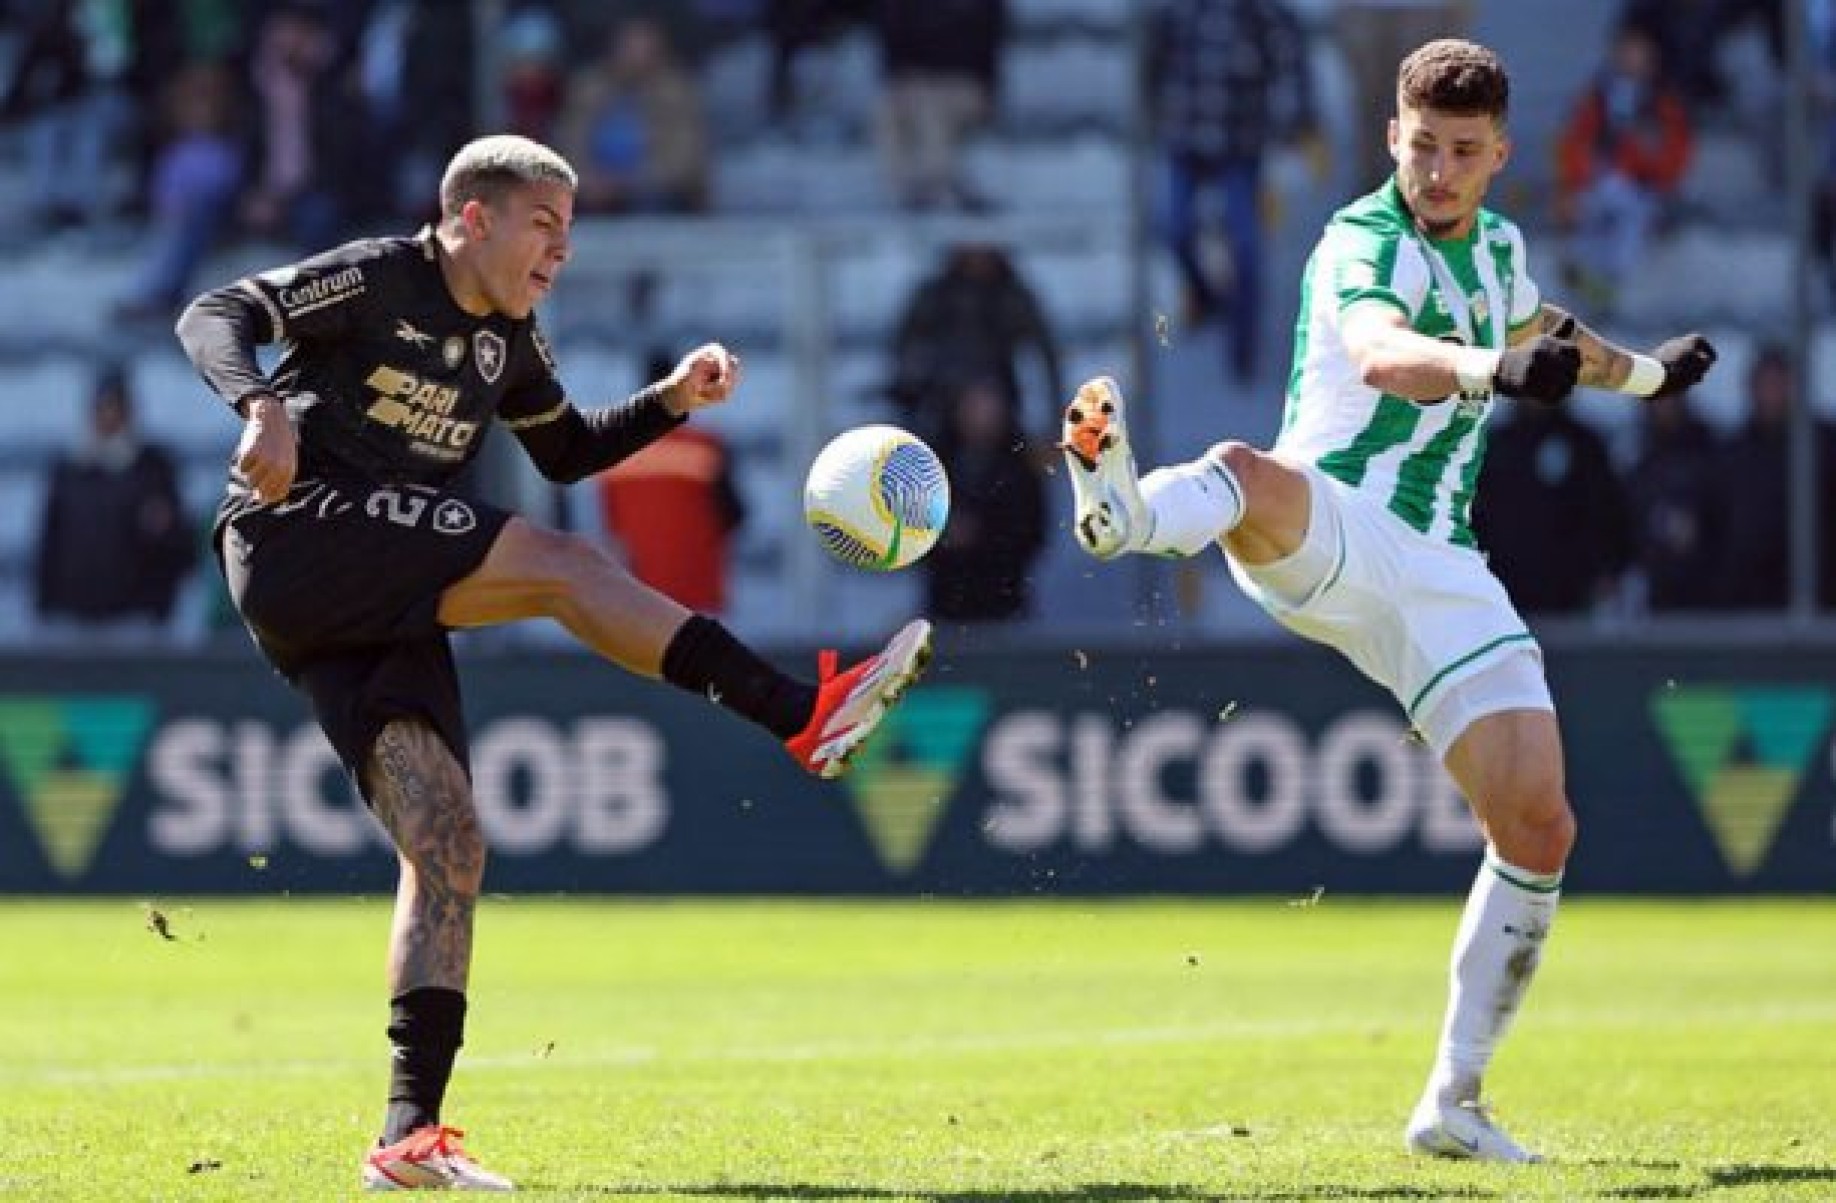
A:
[(1676, 513), (981, 569), (974, 319), (309, 131), (67, 90), (941, 64), (414, 73), (533, 74), (1230, 78), (1690, 34), (796, 26), (115, 543), (1551, 513), (1755, 471), (674, 508), (1373, 36), (634, 127), (1621, 156), (192, 199)]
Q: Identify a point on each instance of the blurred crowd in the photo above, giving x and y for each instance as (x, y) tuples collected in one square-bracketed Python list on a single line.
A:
[(195, 123)]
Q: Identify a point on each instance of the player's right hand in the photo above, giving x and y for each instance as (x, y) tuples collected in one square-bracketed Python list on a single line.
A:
[(268, 454), (1544, 369)]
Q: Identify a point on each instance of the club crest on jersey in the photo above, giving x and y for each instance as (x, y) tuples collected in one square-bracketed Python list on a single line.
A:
[(488, 352), (452, 351), (452, 517), (1481, 307)]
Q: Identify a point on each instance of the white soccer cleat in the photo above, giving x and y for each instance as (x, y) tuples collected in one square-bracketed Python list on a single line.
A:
[(1111, 516), (429, 1158), (1461, 1130)]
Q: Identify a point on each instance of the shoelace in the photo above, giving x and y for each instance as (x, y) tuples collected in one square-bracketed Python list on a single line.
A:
[(436, 1138), (828, 660)]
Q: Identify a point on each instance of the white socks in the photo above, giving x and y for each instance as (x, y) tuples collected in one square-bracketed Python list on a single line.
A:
[(1495, 955), (1194, 505)]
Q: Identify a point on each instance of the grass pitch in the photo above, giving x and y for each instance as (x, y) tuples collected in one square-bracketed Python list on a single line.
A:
[(1066, 1052)]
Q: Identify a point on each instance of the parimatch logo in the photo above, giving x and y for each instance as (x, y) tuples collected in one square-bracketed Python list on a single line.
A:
[(68, 761), (1743, 751), (902, 780)]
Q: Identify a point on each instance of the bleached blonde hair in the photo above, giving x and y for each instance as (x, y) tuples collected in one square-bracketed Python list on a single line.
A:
[(484, 169)]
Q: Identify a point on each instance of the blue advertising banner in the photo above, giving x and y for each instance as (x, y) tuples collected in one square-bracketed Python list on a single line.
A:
[(1223, 770)]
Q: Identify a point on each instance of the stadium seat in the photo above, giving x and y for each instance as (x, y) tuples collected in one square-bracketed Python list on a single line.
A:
[(1034, 97)]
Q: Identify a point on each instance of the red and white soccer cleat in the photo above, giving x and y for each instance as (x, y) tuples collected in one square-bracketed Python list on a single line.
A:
[(429, 1158), (850, 705)]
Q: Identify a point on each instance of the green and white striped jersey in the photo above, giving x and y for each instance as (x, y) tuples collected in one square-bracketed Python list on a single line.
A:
[(1423, 459)]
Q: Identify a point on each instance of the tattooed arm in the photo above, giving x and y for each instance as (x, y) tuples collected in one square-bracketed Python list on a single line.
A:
[(1603, 364), (1675, 366)]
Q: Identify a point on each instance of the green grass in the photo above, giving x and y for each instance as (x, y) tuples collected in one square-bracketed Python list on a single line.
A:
[(1046, 1053)]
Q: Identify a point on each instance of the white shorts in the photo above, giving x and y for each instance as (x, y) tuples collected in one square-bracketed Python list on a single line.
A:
[(1417, 615)]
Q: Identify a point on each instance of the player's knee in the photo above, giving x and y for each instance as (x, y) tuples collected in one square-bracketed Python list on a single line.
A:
[(1243, 460), (1541, 835)]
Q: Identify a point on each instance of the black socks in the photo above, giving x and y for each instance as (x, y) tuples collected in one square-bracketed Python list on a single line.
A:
[(705, 658), (426, 1028)]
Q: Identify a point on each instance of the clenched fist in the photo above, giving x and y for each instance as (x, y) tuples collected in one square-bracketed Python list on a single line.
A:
[(706, 376), (1543, 369), (1686, 361)]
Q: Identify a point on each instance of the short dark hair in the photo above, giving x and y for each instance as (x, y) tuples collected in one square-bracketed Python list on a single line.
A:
[(1455, 76)]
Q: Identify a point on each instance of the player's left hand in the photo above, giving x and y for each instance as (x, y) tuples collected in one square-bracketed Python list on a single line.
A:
[(1686, 361), (706, 376)]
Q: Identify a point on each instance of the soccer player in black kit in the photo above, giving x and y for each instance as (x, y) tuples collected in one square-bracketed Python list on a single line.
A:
[(349, 560)]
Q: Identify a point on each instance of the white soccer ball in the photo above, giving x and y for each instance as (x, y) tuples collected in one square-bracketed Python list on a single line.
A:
[(877, 497)]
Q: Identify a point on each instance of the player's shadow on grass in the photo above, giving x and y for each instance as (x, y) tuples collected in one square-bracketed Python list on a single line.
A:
[(1094, 1192), (1727, 1177)]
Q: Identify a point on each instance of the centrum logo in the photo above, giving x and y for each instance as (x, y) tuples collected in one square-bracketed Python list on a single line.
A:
[(68, 761), (1743, 750), (902, 780)]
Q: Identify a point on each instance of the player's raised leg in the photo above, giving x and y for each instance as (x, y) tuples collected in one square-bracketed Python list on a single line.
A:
[(1509, 764), (532, 572), (1233, 492)]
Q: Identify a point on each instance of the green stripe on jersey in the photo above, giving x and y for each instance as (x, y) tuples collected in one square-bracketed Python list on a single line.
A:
[(1421, 473), (1392, 425), (1462, 535)]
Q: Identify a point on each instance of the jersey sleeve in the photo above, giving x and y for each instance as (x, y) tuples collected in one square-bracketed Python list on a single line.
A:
[(535, 396), (320, 298), (1373, 264), (315, 299), (1526, 297)]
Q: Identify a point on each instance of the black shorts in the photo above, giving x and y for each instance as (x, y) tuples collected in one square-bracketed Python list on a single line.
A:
[(341, 586)]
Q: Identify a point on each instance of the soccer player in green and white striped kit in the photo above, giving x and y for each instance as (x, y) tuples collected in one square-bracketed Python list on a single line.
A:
[(1354, 529)]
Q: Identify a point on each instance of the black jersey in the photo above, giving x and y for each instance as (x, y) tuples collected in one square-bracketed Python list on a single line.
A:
[(388, 381), (385, 377)]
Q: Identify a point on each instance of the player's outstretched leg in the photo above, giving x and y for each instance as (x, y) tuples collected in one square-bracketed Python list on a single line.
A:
[(429, 1158), (1176, 511), (850, 704), (1112, 516)]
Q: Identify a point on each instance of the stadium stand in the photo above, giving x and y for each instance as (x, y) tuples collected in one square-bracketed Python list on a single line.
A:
[(803, 269)]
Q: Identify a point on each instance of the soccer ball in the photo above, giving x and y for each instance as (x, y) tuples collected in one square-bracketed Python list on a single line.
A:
[(877, 497)]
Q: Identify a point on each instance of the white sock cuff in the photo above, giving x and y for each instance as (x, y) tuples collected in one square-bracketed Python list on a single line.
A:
[(1523, 879), (1194, 505)]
